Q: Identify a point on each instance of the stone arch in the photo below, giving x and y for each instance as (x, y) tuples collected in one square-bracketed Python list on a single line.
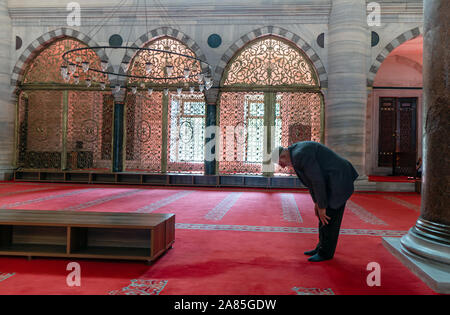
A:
[(411, 34), (280, 32), (39, 44), (165, 31)]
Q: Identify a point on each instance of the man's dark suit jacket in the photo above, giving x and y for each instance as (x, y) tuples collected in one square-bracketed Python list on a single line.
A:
[(328, 176)]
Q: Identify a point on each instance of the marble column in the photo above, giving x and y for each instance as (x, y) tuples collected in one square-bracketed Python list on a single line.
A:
[(345, 110), (426, 247), (7, 108)]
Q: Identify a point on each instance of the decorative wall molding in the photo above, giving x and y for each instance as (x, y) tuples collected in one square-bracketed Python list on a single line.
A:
[(179, 11)]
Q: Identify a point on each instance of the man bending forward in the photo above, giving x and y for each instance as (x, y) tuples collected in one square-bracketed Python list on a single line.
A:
[(329, 179)]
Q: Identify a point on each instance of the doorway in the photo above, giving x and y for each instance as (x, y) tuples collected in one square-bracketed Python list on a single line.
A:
[(397, 146)]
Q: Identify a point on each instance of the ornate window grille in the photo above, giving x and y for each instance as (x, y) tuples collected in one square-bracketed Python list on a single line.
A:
[(159, 61), (144, 132), (187, 126), (270, 97), (61, 125), (175, 121)]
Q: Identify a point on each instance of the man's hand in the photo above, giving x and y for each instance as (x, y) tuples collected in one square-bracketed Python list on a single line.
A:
[(322, 214), (316, 210)]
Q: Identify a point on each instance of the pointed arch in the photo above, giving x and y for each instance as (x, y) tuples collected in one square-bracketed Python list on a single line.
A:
[(44, 67), (269, 96), (294, 39), (400, 39), (42, 42), (55, 119), (159, 59), (270, 61), (174, 122), (161, 32)]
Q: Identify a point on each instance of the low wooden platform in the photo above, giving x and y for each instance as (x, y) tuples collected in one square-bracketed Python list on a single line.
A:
[(75, 234), (192, 180)]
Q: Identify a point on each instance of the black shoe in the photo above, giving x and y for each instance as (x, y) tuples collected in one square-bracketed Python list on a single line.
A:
[(311, 252), (317, 258)]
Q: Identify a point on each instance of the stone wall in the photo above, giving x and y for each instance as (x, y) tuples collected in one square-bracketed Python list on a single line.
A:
[(237, 22)]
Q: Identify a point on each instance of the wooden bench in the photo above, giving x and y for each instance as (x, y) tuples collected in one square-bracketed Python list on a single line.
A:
[(76, 234)]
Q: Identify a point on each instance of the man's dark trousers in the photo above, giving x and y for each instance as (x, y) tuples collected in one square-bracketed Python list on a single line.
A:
[(329, 233)]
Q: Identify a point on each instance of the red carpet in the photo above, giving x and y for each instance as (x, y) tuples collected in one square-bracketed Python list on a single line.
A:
[(227, 242)]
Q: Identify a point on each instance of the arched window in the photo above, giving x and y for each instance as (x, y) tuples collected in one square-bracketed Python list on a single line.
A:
[(165, 127), (270, 61), (270, 97), (62, 125)]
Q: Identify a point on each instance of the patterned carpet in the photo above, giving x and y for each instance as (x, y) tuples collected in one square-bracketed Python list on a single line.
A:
[(227, 242)]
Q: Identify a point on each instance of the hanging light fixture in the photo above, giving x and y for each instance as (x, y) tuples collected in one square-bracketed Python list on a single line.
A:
[(192, 89), (169, 70), (148, 67), (64, 70), (85, 66), (125, 66), (149, 91), (72, 68), (201, 87), (177, 66), (116, 89), (179, 91), (76, 79), (186, 73), (104, 65), (134, 89)]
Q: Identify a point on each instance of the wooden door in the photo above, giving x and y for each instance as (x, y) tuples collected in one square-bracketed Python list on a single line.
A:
[(397, 143)]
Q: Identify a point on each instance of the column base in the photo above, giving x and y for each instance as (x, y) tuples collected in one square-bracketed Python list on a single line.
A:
[(435, 275), (425, 250), (429, 240)]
